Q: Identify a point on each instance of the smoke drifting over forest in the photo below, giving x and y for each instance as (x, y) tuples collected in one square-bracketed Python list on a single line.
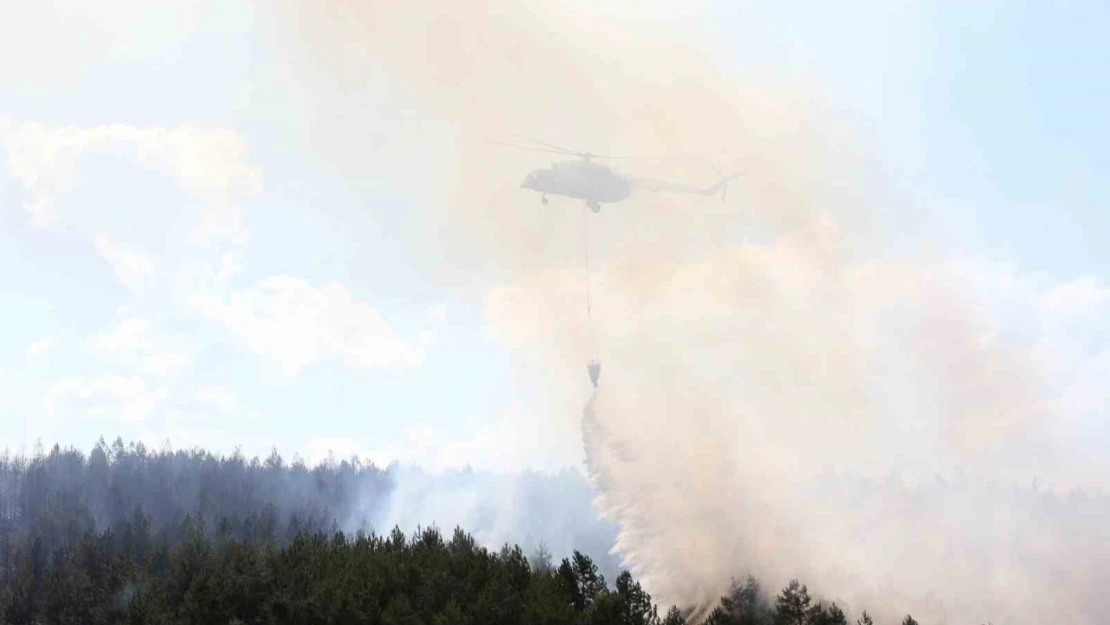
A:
[(761, 357), (66, 492)]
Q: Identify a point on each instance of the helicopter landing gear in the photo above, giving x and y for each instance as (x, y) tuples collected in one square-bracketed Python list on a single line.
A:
[(594, 206), (544, 200)]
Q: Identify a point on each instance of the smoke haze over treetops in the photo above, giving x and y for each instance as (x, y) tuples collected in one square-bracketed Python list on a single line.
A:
[(749, 348)]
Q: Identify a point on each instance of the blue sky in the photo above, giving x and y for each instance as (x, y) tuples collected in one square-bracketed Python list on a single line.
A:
[(993, 108), (988, 115)]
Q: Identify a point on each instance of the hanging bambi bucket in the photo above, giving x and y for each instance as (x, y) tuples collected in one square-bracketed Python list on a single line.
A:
[(594, 367)]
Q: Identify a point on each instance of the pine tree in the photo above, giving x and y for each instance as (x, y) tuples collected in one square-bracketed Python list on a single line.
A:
[(744, 604), (674, 617), (541, 558), (636, 605), (582, 580), (833, 615), (793, 604)]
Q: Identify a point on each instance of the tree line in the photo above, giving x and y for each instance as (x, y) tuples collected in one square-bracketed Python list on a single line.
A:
[(63, 493), (194, 575), (129, 536)]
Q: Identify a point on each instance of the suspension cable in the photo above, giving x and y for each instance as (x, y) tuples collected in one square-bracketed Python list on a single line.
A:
[(586, 254)]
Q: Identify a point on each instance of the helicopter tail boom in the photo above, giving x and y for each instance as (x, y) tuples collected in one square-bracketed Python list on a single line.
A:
[(721, 186)]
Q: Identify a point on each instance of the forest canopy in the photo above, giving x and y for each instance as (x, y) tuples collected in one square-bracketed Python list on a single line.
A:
[(129, 536)]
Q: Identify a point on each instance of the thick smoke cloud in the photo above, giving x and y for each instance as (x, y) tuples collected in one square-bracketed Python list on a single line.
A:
[(751, 349)]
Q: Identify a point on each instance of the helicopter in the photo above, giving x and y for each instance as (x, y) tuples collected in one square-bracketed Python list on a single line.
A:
[(596, 183)]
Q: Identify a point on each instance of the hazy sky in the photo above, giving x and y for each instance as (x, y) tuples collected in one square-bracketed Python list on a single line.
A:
[(180, 262)]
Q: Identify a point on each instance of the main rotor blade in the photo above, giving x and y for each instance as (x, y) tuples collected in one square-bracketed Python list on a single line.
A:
[(555, 149), (528, 147), (592, 155), (552, 146), (644, 158)]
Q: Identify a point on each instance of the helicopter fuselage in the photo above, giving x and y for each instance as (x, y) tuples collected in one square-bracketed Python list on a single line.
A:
[(584, 179)]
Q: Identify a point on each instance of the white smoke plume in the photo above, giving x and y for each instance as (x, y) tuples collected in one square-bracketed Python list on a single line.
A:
[(750, 349), (527, 509)]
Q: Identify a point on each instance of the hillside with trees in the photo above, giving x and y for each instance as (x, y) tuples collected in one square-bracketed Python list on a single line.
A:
[(128, 536)]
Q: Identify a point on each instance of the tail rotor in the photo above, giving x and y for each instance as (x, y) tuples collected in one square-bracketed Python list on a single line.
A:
[(725, 180)]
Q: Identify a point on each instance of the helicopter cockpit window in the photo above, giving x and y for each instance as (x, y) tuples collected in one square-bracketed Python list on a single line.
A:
[(532, 180)]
